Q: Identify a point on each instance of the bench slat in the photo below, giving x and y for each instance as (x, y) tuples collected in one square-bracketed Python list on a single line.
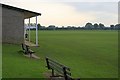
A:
[(26, 49), (57, 63), (59, 68), (55, 68)]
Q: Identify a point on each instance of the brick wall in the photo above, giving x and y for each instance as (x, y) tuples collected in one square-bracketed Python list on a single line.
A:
[(12, 26)]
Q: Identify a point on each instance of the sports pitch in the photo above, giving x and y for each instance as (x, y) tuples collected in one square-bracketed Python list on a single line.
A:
[(89, 54)]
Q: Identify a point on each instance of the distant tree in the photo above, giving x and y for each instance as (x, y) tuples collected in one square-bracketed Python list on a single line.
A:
[(51, 27), (39, 26), (79, 27), (62, 27), (112, 26), (88, 26), (96, 26), (69, 27), (43, 28), (117, 26), (101, 26)]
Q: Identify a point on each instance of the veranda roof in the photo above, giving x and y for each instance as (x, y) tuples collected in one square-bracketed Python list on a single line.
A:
[(27, 13)]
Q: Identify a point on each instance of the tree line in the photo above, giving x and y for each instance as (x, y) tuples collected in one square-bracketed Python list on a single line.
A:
[(88, 26)]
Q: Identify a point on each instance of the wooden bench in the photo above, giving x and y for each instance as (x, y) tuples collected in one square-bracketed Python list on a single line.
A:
[(26, 49), (64, 71)]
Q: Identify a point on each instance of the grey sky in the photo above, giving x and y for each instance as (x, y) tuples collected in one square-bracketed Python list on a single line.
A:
[(71, 12), (103, 11), (95, 6)]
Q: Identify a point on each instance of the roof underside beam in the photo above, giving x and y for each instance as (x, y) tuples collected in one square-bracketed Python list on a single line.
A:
[(30, 15)]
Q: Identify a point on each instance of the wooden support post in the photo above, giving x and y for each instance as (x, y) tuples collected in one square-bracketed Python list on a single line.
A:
[(36, 32), (29, 30)]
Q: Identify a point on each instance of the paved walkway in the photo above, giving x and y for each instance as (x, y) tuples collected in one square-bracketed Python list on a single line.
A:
[(30, 44)]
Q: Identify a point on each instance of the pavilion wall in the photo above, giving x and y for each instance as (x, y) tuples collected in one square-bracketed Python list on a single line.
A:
[(12, 26)]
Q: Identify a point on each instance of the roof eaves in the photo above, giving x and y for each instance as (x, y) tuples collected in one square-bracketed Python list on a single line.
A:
[(19, 9)]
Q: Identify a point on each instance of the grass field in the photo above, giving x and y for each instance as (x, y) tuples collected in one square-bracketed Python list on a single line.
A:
[(89, 54)]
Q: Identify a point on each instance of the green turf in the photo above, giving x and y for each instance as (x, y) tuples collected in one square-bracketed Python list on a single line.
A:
[(0, 60), (15, 65), (89, 54)]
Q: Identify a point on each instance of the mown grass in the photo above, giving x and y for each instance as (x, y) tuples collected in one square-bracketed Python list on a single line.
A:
[(15, 65), (0, 60), (89, 54)]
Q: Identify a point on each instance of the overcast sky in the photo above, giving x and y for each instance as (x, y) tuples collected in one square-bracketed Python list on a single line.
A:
[(70, 12)]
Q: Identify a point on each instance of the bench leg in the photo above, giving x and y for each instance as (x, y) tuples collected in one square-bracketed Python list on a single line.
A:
[(30, 55), (53, 73)]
